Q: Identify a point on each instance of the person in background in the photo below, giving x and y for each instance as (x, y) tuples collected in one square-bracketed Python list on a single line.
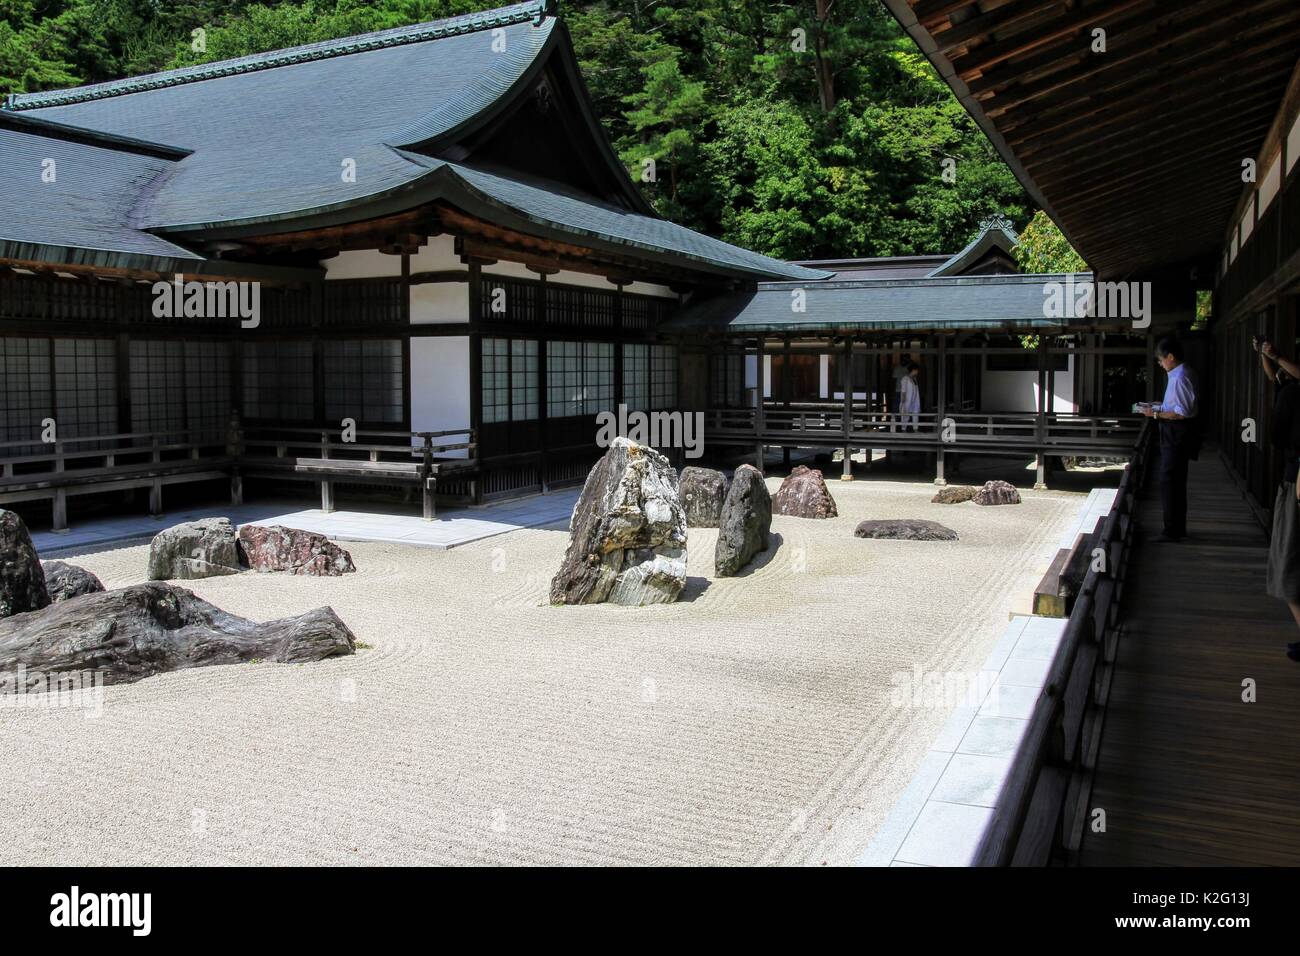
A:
[(900, 373), (1284, 548), (1179, 436), (909, 397)]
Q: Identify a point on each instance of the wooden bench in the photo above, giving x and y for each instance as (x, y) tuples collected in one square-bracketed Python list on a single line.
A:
[(318, 459)]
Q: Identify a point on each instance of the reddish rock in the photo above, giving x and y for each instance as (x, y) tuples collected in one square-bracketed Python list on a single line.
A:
[(997, 493), (804, 495), (276, 548)]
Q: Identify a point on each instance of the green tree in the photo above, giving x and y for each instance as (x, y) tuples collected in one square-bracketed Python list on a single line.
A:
[(1043, 248)]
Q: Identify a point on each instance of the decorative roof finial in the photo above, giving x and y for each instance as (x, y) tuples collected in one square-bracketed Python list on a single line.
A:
[(998, 221)]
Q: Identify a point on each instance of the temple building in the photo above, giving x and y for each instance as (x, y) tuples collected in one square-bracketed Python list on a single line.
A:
[(412, 259)]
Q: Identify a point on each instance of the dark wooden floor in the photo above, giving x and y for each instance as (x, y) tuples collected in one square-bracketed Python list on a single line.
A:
[(1188, 774)]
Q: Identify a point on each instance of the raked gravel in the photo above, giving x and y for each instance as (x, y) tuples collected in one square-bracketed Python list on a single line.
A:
[(750, 723)]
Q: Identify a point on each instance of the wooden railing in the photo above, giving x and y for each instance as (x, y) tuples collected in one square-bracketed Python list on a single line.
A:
[(826, 424), (32, 471), (1042, 809)]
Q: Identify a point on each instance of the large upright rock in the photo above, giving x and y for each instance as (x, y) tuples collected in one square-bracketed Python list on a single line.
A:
[(134, 632), (997, 493), (703, 491), (804, 495), (746, 522), (195, 549), (22, 581), (276, 548), (627, 537), (68, 581)]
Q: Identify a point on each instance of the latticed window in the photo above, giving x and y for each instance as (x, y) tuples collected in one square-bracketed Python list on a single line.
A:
[(597, 376), (85, 386), (636, 376), (728, 380), (278, 381), (524, 388), (579, 378), (510, 386), (25, 389), (364, 380), (179, 386), (663, 376), (563, 379)]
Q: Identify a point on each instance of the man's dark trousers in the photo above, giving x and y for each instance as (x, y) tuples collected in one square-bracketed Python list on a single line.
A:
[(1176, 440)]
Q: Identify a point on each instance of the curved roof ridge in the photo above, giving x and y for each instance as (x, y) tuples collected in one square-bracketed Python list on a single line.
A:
[(535, 10)]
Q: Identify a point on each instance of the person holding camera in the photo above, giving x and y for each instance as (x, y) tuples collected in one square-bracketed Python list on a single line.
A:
[(1179, 436), (1284, 548)]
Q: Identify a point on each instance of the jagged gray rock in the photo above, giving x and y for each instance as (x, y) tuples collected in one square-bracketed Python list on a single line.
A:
[(65, 581), (804, 495), (997, 493), (746, 522), (627, 536), (195, 549), (135, 632), (702, 492), (22, 580), (905, 529)]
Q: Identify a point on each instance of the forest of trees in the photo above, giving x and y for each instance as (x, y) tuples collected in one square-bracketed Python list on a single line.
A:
[(802, 129)]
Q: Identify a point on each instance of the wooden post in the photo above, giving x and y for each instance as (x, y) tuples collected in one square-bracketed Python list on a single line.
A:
[(1040, 484), (60, 510), (940, 408), (326, 486), (758, 411), (426, 472), (846, 382)]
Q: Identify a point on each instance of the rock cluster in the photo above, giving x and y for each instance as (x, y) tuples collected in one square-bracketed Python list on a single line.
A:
[(804, 495), (627, 536), (22, 580), (745, 523), (702, 491), (276, 548), (905, 529)]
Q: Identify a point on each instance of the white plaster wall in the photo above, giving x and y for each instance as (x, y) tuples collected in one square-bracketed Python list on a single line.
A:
[(438, 255), (440, 384), (433, 303), (1018, 391), (362, 264)]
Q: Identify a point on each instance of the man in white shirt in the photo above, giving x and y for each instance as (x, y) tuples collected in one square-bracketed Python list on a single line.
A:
[(1179, 435), (909, 397)]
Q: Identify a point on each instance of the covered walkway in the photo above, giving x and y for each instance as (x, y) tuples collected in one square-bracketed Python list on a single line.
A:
[(1188, 773)]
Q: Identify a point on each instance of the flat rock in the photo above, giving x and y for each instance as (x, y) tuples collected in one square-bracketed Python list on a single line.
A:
[(627, 536), (132, 633), (702, 491), (22, 580), (68, 581), (997, 493), (954, 494), (745, 524), (195, 549), (277, 548), (804, 495), (905, 529)]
